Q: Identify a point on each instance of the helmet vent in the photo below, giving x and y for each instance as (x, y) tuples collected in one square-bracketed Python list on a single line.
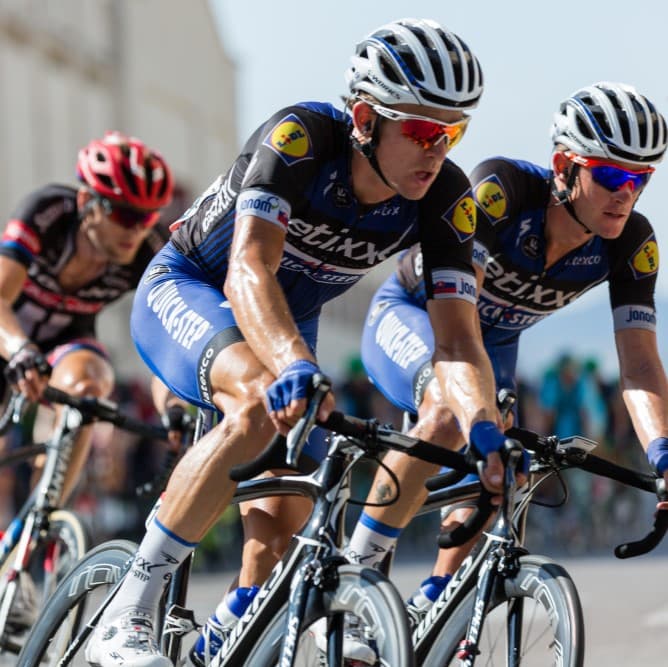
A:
[(583, 128), (129, 179)]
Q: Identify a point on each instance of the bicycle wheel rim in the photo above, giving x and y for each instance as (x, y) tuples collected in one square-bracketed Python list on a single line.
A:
[(360, 591), (77, 596), (50, 559), (552, 628)]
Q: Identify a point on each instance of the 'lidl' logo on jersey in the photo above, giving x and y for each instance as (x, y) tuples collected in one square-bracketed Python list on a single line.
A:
[(646, 260), (462, 217), (290, 140), (491, 199)]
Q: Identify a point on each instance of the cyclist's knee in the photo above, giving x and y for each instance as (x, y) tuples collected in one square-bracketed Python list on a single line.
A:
[(84, 373), (248, 418)]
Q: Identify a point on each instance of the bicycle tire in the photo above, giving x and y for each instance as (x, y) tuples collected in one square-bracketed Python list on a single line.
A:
[(361, 591), (553, 596), (55, 553), (63, 614)]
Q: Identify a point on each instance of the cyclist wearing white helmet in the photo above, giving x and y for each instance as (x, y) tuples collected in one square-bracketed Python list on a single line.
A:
[(544, 237), (315, 200)]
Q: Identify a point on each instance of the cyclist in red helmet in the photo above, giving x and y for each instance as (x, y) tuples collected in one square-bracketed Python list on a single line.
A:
[(65, 254)]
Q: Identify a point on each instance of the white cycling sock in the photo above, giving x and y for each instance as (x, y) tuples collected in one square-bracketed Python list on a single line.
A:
[(371, 541), (158, 557)]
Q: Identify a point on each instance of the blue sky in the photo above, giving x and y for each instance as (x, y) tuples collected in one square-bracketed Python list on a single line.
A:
[(533, 54)]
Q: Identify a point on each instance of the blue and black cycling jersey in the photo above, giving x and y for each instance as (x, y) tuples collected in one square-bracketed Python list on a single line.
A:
[(512, 198), (295, 171)]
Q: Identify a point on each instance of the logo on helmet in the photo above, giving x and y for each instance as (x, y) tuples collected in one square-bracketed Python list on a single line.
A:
[(645, 261), (462, 217), (491, 199), (381, 84), (290, 140)]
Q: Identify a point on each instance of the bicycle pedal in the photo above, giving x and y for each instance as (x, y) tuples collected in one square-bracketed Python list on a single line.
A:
[(180, 621)]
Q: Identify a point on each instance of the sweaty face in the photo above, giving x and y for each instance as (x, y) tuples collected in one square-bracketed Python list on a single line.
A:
[(604, 212), (409, 167)]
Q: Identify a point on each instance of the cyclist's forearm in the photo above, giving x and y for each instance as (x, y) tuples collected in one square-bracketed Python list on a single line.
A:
[(467, 381), (647, 403), (12, 336), (264, 318), (644, 384)]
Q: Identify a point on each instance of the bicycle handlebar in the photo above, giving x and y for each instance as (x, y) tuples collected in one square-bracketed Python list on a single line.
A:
[(572, 457), (472, 525), (372, 437), (89, 407), (654, 537)]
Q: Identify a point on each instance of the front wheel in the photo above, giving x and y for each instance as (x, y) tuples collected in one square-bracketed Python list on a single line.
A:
[(534, 620), (84, 588), (360, 593), (24, 594)]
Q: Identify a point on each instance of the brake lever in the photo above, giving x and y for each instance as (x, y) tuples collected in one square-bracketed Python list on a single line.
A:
[(296, 438)]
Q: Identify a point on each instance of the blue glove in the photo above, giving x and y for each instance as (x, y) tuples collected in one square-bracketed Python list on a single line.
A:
[(293, 383), (486, 438), (657, 454)]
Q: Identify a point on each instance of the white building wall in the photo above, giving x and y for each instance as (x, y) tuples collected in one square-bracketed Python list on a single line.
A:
[(72, 69)]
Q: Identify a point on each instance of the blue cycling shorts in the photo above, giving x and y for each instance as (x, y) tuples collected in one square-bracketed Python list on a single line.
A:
[(398, 346), (180, 322)]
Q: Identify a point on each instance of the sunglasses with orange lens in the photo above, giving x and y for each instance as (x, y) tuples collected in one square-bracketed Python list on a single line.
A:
[(423, 130)]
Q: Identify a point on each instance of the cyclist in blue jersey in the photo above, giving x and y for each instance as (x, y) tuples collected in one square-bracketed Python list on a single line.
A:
[(544, 237), (227, 313)]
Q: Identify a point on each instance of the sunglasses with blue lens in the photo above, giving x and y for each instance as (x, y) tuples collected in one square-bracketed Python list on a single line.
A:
[(612, 176)]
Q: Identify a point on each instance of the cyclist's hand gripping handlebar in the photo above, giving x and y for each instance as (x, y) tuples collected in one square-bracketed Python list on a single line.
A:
[(511, 454), (282, 451)]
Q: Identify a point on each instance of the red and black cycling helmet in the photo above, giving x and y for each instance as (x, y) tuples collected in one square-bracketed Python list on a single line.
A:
[(125, 171)]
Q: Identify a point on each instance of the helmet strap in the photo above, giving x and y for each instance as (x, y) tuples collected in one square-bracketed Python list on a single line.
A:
[(563, 197), (368, 150)]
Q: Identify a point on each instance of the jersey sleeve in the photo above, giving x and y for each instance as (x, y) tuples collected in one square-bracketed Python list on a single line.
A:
[(494, 191), (447, 222), (633, 273), (282, 163), (22, 237)]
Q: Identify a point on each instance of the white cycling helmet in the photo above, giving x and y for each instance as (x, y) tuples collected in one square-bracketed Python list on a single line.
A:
[(611, 121), (416, 61)]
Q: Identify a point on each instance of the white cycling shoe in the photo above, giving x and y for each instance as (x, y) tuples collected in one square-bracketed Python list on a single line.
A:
[(357, 649), (126, 641)]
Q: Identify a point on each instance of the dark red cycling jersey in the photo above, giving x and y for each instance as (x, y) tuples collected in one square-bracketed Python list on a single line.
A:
[(41, 235)]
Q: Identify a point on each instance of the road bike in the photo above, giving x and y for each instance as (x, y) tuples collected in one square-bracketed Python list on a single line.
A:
[(311, 582), (44, 540), (506, 606)]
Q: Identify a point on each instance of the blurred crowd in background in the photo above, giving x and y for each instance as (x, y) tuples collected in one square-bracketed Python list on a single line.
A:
[(571, 398)]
